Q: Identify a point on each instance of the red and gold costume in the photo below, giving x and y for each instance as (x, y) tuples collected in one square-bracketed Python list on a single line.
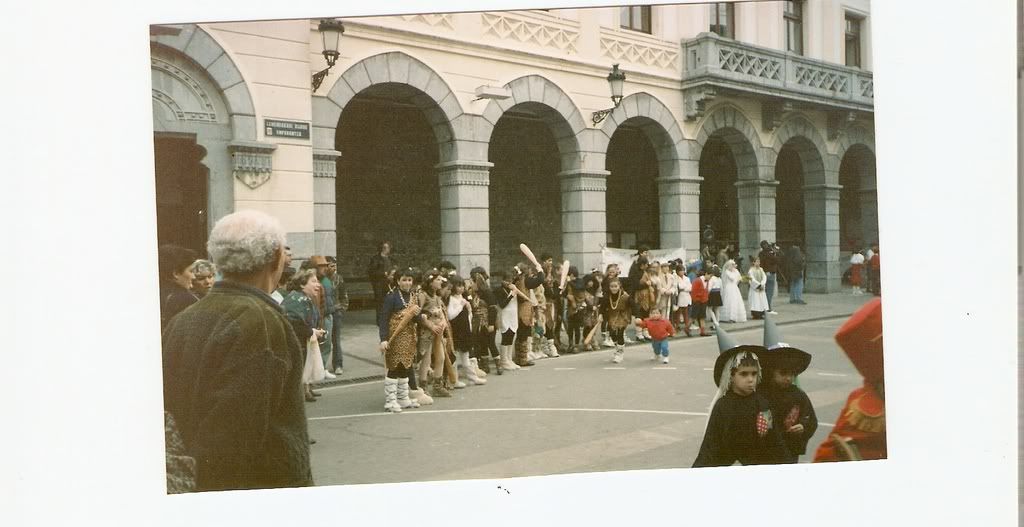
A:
[(861, 423)]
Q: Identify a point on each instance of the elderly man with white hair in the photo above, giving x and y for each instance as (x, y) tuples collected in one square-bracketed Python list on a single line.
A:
[(233, 367)]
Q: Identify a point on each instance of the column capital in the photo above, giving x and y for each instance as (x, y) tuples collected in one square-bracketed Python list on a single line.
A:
[(464, 173), (324, 163), (582, 180)]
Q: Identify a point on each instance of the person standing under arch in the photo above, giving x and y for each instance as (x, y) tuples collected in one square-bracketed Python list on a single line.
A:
[(377, 273)]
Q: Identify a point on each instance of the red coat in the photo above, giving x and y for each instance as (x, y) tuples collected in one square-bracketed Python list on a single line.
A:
[(699, 291), (660, 329), (862, 420)]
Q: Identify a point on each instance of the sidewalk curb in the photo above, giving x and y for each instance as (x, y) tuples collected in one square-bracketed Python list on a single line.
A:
[(370, 378)]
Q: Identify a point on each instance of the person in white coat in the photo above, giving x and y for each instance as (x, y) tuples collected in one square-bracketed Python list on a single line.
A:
[(733, 309), (683, 299), (758, 295)]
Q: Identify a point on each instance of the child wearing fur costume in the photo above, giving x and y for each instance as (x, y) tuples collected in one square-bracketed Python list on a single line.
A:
[(398, 342), (460, 314), (617, 308), (741, 425), (525, 278)]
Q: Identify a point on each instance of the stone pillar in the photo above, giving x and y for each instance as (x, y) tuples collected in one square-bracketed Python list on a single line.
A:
[(869, 215), (821, 220), (679, 203), (757, 214), (584, 216), (325, 216), (465, 225)]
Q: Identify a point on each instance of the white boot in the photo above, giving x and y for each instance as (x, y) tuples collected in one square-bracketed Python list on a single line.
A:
[(506, 359), (391, 396), (468, 370), (607, 341), (475, 363), (550, 349), (403, 394), (421, 397), (617, 356), (533, 353)]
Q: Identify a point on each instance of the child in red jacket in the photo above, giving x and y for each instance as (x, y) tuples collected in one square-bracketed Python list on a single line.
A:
[(699, 294), (660, 330)]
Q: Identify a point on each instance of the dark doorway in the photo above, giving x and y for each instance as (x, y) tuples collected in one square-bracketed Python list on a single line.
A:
[(182, 189), (632, 196), (719, 204), (525, 194), (789, 198), (387, 187)]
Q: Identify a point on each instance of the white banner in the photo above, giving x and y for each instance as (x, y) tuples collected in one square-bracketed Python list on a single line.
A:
[(625, 257)]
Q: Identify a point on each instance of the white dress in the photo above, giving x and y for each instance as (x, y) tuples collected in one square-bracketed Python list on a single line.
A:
[(758, 299), (733, 309), (683, 286)]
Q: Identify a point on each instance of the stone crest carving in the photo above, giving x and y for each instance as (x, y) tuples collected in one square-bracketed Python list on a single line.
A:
[(252, 163)]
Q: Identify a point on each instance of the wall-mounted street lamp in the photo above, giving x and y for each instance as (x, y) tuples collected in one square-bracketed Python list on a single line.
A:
[(615, 80), (330, 33)]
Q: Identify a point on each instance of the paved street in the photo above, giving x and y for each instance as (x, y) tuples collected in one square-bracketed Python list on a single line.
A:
[(572, 414)]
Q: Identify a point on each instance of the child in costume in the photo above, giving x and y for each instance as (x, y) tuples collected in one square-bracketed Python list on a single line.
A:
[(715, 294), (460, 314), (616, 308), (645, 295), (485, 319), (508, 319), (434, 338), (860, 430), (699, 293), (741, 425), (758, 294), (683, 299), (611, 272), (398, 342), (526, 278), (660, 329), (782, 363)]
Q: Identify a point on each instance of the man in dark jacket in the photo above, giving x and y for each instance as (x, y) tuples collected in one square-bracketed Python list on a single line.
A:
[(377, 273), (770, 264), (233, 367), (795, 272)]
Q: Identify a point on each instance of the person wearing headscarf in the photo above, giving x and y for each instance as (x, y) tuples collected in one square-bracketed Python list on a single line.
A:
[(733, 308)]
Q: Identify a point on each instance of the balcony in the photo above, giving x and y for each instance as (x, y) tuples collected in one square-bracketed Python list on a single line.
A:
[(715, 65)]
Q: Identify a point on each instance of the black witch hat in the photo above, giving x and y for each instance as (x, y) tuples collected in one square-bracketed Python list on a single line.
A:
[(727, 349), (780, 355)]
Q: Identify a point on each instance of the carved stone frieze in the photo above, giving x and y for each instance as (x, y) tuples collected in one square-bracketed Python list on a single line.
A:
[(252, 163)]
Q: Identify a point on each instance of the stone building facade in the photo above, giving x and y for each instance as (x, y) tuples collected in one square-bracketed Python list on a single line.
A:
[(460, 135)]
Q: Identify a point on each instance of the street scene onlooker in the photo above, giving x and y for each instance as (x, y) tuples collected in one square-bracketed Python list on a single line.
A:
[(233, 367), (175, 281)]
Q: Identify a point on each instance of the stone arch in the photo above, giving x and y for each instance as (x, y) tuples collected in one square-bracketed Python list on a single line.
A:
[(556, 109), (819, 167), (657, 123), (194, 43), (729, 122), (412, 80), (852, 136)]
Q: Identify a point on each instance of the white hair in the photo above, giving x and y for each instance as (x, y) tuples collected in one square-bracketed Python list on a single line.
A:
[(245, 242)]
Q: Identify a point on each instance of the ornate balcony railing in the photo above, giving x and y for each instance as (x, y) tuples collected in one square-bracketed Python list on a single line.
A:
[(715, 64)]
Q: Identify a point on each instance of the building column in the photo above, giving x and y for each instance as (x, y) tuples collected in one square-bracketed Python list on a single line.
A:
[(679, 203), (821, 218), (869, 215), (465, 226), (325, 216), (584, 216), (757, 214)]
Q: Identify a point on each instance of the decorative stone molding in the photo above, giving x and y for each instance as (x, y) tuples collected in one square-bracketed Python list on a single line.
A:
[(325, 163), (822, 79), (471, 173), (584, 180), (822, 192), (205, 112), (836, 122), (629, 48), (562, 35), (678, 186), (756, 189), (773, 112), (695, 102), (252, 163), (432, 19), (746, 62)]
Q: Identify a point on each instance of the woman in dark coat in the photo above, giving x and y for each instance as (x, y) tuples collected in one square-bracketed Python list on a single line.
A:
[(175, 281), (301, 308)]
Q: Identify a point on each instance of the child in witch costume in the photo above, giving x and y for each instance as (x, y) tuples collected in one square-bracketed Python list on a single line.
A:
[(859, 432), (782, 363), (616, 308), (741, 426), (398, 343)]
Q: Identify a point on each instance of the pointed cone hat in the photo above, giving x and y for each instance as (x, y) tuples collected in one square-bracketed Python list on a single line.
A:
[(779, 355), (727, 349)]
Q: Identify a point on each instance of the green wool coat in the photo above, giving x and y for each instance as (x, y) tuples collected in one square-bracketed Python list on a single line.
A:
[(233, 382)]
